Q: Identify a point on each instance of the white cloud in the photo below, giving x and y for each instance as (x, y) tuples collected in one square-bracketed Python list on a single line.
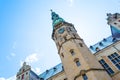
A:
[(2, 78), (14, 45), (71, 2), (13, 54), (34, 57), (21, 63), (10, 78), (36, 70), (10, 56)]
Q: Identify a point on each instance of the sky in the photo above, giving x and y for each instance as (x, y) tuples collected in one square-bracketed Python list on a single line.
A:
[(26, 28)]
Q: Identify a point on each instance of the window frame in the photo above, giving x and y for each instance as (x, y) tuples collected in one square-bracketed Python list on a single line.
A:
[(106, 67), (115, 59)]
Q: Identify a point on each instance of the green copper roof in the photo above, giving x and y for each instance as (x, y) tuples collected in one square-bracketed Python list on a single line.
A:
[(56, 19)]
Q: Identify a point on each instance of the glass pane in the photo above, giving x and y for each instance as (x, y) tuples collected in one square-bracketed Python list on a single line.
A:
[(102, 61), (114, 61), (111, 71), (113, 55), (105, 65), (77, 63), (116, 54), (119, 57), (118, 66), (72, 52), (110, 57), (85, 77)]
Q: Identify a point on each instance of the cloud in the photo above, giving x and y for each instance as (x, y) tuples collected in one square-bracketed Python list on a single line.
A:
[(13, 54), (34, 57), (10, 56), (36, 70), (14, 45), (10, 78), (71, 2)]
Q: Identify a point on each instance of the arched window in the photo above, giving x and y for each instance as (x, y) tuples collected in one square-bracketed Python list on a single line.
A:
[(85, 77), (77, 62), (81, 45), (72, 52), (62, 55)]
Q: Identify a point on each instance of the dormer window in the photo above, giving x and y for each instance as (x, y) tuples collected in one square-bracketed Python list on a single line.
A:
[(97, 49), (104, 40), (47, 71), (55, 68), (91, 47), (114, 39), (101, 44)]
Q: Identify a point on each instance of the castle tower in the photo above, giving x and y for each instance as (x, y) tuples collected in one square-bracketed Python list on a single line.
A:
[(114, 22), (77, 60), (25, 73)]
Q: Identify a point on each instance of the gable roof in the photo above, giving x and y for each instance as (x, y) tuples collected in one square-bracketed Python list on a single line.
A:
[(103, 44), (51, 72)]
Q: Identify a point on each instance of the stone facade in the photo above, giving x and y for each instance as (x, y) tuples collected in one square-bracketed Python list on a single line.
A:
[(99, 62)]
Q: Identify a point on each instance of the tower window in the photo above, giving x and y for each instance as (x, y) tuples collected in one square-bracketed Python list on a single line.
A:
[(115, 58), (81, 45), (77, 62), (19, 77), (62, 55), (72, 52), (85, 77), (106, 66), (26, 73), (22, 77), (118, 20)]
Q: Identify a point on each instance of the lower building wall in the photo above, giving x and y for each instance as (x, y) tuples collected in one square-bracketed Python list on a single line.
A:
[(116, 76), (96, 75)]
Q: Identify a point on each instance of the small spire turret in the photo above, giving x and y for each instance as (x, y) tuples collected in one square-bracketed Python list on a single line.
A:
[(114, 22), (56, 19)]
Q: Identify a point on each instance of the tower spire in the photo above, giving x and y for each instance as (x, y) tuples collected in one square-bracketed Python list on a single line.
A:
[(56, 19)]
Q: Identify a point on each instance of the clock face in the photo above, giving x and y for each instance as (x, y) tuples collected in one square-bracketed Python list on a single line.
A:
[(61, 30)]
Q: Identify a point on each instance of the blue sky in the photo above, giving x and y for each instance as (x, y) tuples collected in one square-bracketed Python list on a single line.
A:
[(26, 28)]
